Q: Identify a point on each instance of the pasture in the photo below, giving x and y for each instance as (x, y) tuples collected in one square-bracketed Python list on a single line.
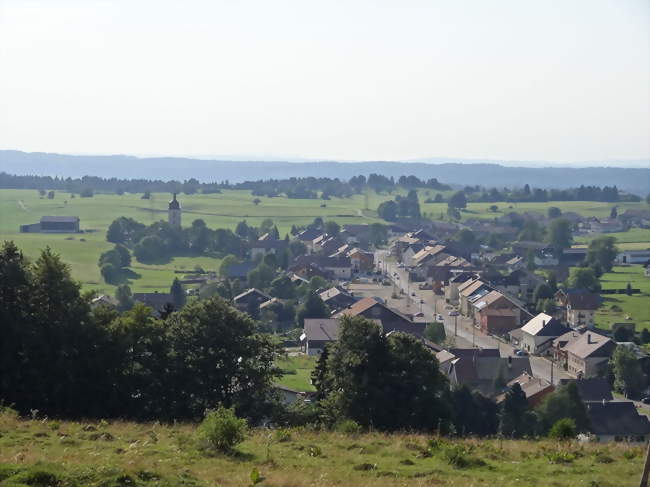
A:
[(47, 452), (636, 306)]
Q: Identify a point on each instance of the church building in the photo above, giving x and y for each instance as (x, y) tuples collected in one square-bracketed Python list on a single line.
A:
[(174, 213)]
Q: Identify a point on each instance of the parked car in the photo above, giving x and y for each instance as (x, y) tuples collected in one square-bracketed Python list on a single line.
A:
[(401, 266), (413, 294), (454, 313), (646, 400), (439, 317), (521, 353), (419, 315)]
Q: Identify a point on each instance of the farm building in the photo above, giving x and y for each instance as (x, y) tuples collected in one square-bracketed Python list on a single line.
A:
[(53, 224)]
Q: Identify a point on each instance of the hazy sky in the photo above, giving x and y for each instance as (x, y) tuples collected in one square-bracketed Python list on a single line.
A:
[(529, 80)]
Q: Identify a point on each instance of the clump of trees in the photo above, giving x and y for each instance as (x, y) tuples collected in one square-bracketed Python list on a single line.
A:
[(401, 207), (62, 358)]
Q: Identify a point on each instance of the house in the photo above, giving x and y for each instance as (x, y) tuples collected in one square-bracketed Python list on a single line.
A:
[(451, 290), (317, 332), (535, 389), (484, 370), (574, 256), (391, 320), (362, 260), (636, 218), (468, 290), (617, 421), (339, 267), (290, 396), (497, 313), (595, 389), (523, 247), (240, 270), (337, 298), (588, 354), (559, 346), (53, 224), (633, 257), (252, 298), (158, 302), (103, 300), (355, 232), (606, 225), (410, 251), (309, 237), (538, 333), (265, 246), (577, 307)]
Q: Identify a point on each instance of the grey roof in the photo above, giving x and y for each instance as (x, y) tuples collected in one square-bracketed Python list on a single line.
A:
[(156, 301), (591, 344), (594, 390), (251, 291), (321, 329), (59, 219), (240, 270), (309, 234), (616, 418)]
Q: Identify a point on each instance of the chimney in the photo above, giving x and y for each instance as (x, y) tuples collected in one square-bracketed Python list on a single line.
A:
[(509, 361), (589, 338)]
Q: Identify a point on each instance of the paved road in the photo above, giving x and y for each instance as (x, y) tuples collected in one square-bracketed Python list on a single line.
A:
[(461, 328)]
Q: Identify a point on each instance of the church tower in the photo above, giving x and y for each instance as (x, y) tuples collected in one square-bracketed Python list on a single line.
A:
[(174, 213)]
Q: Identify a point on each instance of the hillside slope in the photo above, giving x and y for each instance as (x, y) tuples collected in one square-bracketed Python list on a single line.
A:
[(46, 452)]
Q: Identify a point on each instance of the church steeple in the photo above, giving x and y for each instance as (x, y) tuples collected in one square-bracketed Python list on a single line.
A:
[(174, 213)]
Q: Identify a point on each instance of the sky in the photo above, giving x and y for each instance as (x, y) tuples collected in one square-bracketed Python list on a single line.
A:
[(552, 80)]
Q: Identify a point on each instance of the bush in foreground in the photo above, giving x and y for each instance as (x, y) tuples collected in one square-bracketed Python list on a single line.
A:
[(221, 430), (563, 429)]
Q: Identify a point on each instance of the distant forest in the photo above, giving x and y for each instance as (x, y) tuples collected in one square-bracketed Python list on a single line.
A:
[(458, 173), (311, 188)]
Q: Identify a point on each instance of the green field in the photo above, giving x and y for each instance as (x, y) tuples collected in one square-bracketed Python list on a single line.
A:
[(225, 210), (639, 236), (45, 452), (297, 372), (218, 211), (636, 307)]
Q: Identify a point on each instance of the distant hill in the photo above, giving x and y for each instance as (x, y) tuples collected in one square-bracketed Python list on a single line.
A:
[(635, 180)]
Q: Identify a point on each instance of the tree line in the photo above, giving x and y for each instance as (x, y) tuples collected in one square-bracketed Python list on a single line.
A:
[(311, 188)]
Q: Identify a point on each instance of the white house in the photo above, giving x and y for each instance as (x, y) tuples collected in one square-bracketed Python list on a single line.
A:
[(537, 335)]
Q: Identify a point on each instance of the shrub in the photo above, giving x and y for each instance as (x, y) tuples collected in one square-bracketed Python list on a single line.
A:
[(459, 456), (602, 457), (557, 457), (221, 430), (349, 427), (282, 435), (563, 429)]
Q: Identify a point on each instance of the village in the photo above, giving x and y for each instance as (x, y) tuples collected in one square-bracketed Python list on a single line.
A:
[(477, 312)]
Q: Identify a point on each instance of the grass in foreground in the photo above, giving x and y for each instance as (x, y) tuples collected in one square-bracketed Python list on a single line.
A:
[(120, 454)]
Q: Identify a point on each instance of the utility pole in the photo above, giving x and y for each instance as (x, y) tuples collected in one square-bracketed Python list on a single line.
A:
[(456, 325), (551, 372)]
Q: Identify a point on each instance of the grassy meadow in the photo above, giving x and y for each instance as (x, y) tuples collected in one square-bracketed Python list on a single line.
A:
[(44, 452), (636, 306), (224, 210), (297, 371)]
